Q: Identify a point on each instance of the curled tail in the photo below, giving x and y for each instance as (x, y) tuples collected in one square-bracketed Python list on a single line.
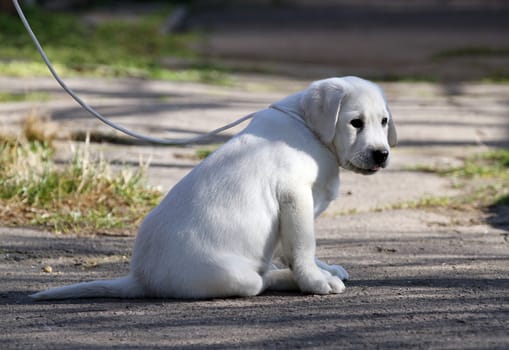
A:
[(123, 287)]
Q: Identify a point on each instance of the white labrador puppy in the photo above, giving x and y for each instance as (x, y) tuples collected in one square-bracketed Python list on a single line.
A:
[(217, 231)]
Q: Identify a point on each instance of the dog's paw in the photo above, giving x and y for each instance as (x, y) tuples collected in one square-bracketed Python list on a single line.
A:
[(336, 285), (339, 271), (322, 283)]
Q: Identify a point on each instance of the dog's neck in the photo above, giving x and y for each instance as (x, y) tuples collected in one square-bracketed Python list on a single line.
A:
[(290, 106), (289, 112)]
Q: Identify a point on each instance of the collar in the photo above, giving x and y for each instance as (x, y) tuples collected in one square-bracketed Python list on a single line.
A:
[(294, 115), (291, 113)]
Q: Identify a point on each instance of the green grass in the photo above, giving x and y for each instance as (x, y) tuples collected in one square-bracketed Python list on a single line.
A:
[(483, 179), (500, 76), (21, 97), (502, 200), (424, 203), (203, 153), (492, 164), (112, 49), (82, 196), (471, 51)]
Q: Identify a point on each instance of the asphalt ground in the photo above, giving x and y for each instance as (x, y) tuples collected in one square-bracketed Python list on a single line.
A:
[(416, 286)]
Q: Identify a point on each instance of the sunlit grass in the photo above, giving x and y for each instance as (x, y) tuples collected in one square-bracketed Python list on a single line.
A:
[(483, 179), (82, 196), (21, 97), (115, 48)]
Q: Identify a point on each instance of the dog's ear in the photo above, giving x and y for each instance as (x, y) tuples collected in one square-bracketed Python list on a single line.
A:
[(392, 135), (320, 104)]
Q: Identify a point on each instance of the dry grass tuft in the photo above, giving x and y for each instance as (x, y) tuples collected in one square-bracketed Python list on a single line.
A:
[(83, 196), (39, 127)]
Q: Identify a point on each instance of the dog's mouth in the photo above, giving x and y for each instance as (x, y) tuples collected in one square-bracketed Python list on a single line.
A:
[(363, 170)]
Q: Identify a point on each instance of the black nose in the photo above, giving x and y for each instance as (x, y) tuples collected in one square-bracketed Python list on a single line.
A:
[(380, 156)]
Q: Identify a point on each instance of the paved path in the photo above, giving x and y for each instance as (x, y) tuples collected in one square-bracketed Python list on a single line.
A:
[(413, 286), (419, 279)]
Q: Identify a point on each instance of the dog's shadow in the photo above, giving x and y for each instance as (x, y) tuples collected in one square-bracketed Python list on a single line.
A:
[(21, 297), (17, 297)]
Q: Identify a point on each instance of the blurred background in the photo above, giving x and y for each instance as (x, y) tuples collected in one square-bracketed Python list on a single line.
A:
[(392, 40), (177, 69)]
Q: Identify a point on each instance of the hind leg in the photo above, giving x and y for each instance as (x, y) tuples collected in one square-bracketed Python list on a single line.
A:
[(280, 280), (230, 276)]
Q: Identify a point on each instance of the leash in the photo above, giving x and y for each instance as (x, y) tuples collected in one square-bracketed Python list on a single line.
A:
[(102, 118)]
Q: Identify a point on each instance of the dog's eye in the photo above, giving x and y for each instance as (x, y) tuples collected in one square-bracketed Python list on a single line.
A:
[(357, 123), (384, 121)]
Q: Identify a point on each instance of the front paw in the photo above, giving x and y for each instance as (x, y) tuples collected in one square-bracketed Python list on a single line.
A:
[(337, 286), (322, 283)]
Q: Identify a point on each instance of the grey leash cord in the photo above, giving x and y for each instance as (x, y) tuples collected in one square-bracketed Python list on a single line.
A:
[(103, 119)]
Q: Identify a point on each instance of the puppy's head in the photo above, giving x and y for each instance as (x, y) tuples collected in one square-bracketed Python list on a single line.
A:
[(351, 115)]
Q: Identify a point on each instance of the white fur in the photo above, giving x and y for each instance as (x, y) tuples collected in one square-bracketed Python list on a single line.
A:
[(217, 231)]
